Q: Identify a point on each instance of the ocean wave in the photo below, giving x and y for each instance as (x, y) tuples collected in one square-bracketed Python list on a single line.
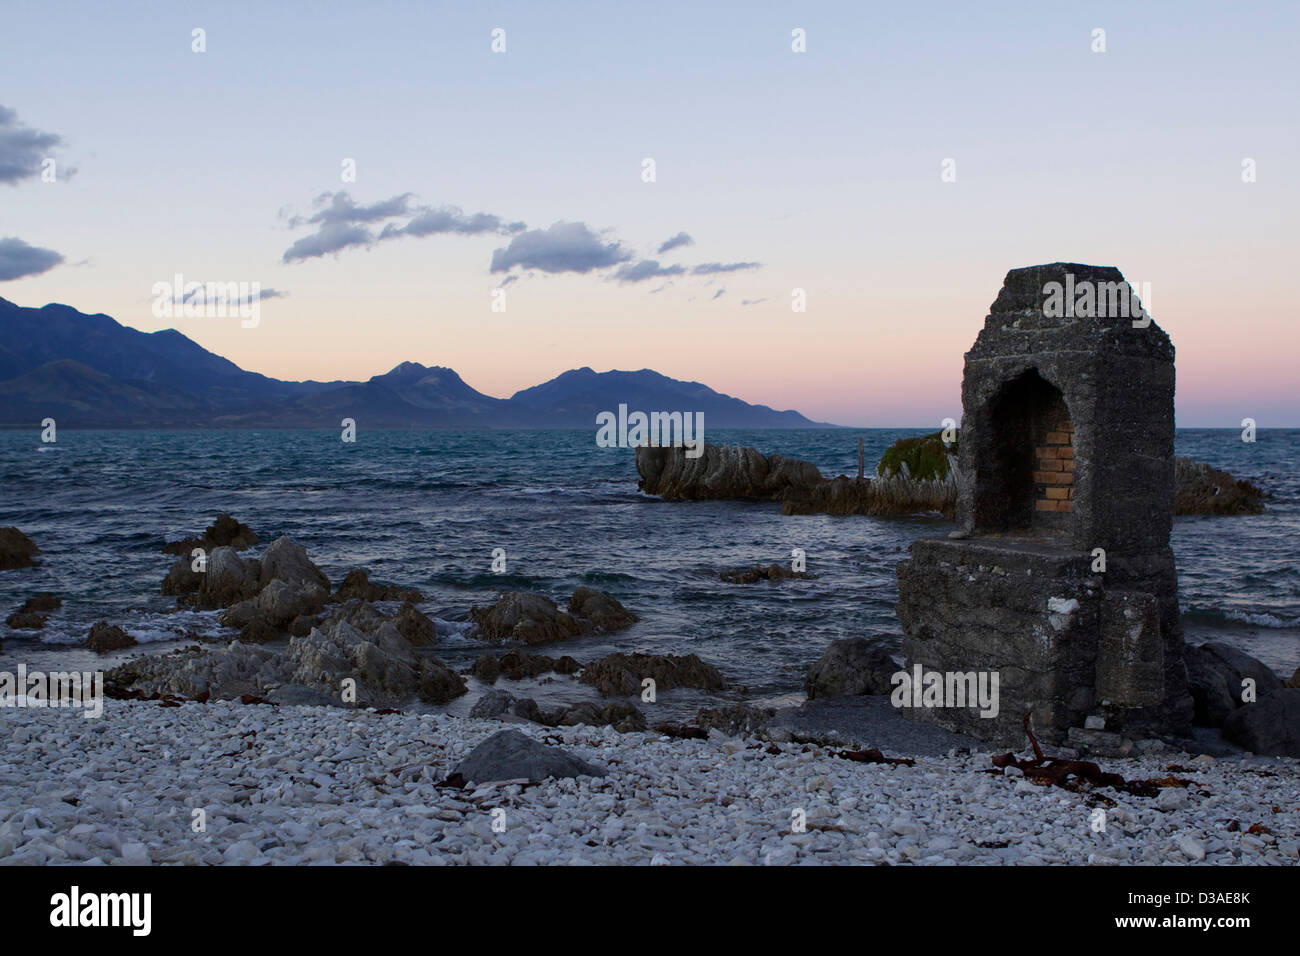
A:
[(1233, 616)]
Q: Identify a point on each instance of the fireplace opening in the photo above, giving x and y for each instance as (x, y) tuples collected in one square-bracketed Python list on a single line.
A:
[(1026, 481)]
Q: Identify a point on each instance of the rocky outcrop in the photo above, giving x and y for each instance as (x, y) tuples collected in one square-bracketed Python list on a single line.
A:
[(1271, 725), (357, 584), (621, 674), (625, 718), (16, 550), (773, 572), (536, 619), (518, 665), (34, 612), (225, 532), (736, 720), (851, 667), (511, 755), (601, 610), (721, 471), (105, 638), (1202, 490), (1215, 673), (416, 626), (500, 704)]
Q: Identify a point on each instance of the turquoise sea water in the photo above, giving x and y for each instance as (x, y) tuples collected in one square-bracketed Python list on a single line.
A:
[(426, 509)]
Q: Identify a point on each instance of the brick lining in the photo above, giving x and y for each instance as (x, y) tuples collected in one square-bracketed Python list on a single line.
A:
[(1054, 469)]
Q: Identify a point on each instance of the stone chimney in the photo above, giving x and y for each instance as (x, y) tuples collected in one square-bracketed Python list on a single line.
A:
[(1059, 577)]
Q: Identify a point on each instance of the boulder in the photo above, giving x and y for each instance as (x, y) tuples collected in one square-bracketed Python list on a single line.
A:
[(224, 674), (720, 472), (16, 550), (105, 638), (851, 667), (182, 579), (773, 572), (600, 609), (286, 560), (625, 718), (499, 703), (736, 720), (1202, 490), (1271, 725), (280, 602), (1294, 681), (415, 626), (437, 683), (511, 755), (224, 532), (223, 579), (527, 617), (519, 664), (32, 615), (381, 664), (357, 585), (621, 674)]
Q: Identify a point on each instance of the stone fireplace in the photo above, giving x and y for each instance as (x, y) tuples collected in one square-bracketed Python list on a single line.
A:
[(1059, 576)]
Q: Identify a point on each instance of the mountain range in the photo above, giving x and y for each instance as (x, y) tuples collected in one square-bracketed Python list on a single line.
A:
[(90, 371)]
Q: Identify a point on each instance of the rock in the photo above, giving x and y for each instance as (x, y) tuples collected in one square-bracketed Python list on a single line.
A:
[(31, 615), (720, 472), (287, 561), (850, 667), (357, 585), (105, 637), (1190, 847), (302, 696), (527, 617), (381, 664), (1210, 682), (773, 572), (16, 550), (1295, 679), (414, 625), (182, 579), (437, 682), (1202, 490), (625, 718), (498, 703), (621, 674), (224, 532), (361, 614), (1269, 726), (222, 580), (224, 674), (1241, 665), (600, 609), (511, 755), (518, 665)]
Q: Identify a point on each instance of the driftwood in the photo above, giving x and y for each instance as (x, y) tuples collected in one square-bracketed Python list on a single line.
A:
[(871, 755), (1074, 774)]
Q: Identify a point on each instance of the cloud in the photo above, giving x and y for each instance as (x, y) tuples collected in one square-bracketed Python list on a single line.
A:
[(644, 270), (562, 247), (681, 239), (450, 219), (752, 301), (715, 268), (332, 237), (18, 259), (22, 149), (342, 208), (720, 292), (219, 294)]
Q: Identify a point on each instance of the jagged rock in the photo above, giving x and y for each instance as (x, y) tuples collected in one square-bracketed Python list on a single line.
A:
[(511, 755), (287, 561), (302, 696), (437, 682), (773, 572), (737, 720), (600, 609), (720, 472), (850, 667), (497, 703), (415, 626), (223, 579), (32, 615), (1271, 725), (105, 638), (224, 532), (279, 603), (357, 585), (16, 550), (182, 579), (1202, 490), (224, 674), (523, 616), (1295, 679), (518, 665), (625, 718), (382, 664), (621, 674)]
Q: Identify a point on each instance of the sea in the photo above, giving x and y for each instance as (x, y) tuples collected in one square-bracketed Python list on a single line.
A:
[(428, 509)]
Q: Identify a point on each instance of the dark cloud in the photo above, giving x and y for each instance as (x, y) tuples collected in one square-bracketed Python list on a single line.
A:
[(646, 269), (18, 259), (751, 301), (719, 293), (219, 293), (677, 241), (450, 219), (562, 247), (22, 149), (342, 209), (715, 268)]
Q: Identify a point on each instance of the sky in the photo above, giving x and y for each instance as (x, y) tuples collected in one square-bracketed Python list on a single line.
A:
[(518, 177)]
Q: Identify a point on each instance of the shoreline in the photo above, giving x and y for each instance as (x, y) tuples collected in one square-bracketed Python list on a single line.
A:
[(284, 785)]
